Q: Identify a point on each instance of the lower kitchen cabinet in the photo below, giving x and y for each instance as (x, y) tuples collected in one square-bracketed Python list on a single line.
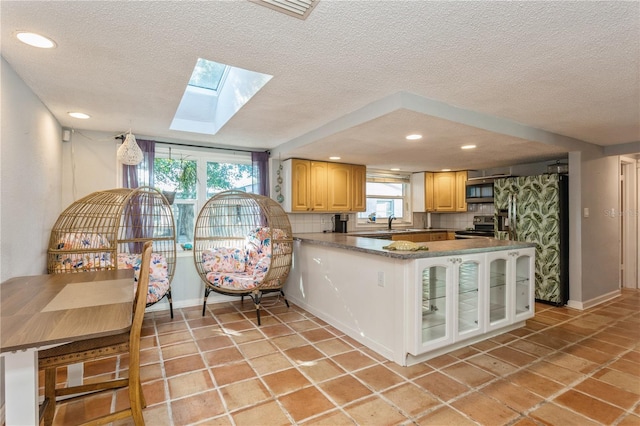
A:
[(459, 298), (450, 301)]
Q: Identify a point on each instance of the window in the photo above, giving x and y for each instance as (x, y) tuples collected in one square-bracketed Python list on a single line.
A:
[(387, 194), (195, 175)]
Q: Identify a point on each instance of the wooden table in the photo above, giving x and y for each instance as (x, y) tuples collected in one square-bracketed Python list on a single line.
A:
[(41, 311)]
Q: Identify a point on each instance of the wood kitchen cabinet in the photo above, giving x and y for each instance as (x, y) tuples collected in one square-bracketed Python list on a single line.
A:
[(318, 186), (443, 192)]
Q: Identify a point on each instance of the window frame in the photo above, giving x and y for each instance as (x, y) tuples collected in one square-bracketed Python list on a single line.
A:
[(377, 176)]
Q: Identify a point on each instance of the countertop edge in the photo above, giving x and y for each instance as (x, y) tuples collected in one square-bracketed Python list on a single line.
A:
[(436, 248)]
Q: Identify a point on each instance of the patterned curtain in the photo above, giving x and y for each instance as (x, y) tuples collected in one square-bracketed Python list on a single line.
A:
[(260, 164)]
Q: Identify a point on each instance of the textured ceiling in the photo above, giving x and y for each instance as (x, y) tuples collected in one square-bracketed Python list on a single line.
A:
[(566, 68)]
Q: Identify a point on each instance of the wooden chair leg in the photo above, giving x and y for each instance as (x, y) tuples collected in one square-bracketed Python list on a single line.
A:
[(50, 395), (204, 304), (170, 303)]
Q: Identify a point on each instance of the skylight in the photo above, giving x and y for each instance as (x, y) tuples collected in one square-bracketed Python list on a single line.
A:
[(214, 94), (207, 74)]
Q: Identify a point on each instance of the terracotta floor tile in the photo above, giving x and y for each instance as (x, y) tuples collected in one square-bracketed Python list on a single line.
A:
[(333, 418), (173, 338), (353, 360), (333, 346), (270, 363), (551, 414), (626, 367), (189, 384), (619, 379), (378, 377), (101, 366), (587, 353), (515, 397), (535, 383), (200, 321), (525, 421), (468, 374), (243, 394), (303, 325), (288, 341), (256, 415), (75, 412), (196, 408), (571, 362), (485, 410), (150, 372), (179, 350), (244, 336), (608, 348), (630, 420), (321, 370), (305, 403), (445, 416), (464, 353), (612, 394), (214, 342), (344, 389), (410, 372), (589, 407), (154, 392), (171, 327), (411, 399), (184, 364), (257, 348), (512, 356), (484, 345), (633, 356), (531, 348), (492, 365), (276, 330), (231, 373), (441, 361), (375, 411), (554, 372), (441, 385), (303, 354), (317, 335), (223, 356), (285, 381)]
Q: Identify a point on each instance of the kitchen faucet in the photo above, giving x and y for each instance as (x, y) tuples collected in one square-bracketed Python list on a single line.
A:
[(391, 218)]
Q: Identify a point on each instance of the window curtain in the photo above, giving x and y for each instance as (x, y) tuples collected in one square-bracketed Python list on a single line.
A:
[(140, 174), (139, 207), (260, 172)]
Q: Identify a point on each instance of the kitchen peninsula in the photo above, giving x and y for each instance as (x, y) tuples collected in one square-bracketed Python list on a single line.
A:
[(410, 306)]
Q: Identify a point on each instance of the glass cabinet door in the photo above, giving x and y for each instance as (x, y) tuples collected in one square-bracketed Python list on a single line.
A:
[(434, 303), (468, 297), (498, 291), (524, 285)]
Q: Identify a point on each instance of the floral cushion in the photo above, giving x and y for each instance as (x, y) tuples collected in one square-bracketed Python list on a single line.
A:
[(158, 273), (237, 269), (224, 259), (73, 262)]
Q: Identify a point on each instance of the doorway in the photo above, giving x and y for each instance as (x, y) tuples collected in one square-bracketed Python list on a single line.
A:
[(629, 221)]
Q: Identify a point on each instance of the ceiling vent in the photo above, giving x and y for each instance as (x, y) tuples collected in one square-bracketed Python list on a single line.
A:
[(297, 8)]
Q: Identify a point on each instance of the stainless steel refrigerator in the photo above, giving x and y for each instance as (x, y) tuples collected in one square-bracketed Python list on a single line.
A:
[(536, 209)]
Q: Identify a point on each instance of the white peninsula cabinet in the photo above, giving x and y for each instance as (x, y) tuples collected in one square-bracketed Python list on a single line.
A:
[(413, 305)]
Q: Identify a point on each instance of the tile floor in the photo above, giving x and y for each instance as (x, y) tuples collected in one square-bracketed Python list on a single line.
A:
[(566, 367)]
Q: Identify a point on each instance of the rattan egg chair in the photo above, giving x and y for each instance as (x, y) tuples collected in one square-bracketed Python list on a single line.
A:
[(242, 246), (107, 230)]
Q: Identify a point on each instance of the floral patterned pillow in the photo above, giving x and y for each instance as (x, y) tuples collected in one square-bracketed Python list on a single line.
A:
[(224, 259)]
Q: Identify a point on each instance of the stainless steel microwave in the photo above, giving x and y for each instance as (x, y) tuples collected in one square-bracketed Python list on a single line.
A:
[(480, 189)]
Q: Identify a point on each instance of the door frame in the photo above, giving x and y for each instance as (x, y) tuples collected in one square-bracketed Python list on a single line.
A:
[(630, 221)]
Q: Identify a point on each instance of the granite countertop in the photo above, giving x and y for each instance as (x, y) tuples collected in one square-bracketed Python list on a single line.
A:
[(382, 233), (436, 248)]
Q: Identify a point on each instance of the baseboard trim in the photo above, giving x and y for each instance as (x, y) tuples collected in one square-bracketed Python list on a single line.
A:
[(594, 302)]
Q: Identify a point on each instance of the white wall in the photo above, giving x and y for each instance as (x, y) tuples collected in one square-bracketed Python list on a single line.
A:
[(30, 182), (30, 177)]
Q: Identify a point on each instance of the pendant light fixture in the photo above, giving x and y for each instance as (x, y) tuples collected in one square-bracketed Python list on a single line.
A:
[(129, 152)]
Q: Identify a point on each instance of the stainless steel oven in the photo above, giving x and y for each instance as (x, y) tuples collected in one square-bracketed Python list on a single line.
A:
[(483, 227)]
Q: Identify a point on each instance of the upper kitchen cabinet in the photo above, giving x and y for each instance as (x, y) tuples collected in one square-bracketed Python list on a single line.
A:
[(317, 186), (440, 192)]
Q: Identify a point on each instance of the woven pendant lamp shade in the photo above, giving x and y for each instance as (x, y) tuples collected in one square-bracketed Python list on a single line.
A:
[(129, 152)]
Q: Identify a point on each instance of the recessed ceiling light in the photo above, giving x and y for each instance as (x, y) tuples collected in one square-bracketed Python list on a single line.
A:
[(414, 137), (334, 158), (81, 115), (446, 170), (395, 169), (35, 40), (467, 146)]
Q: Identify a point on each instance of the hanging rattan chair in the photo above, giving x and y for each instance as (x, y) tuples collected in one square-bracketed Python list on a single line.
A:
[(107, 230), (242, 246)]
